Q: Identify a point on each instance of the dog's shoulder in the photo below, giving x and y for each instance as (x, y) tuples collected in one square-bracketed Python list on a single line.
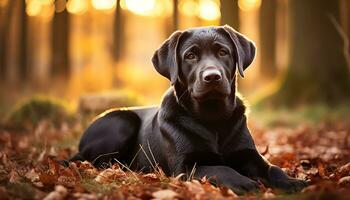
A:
[(241, 106), (169, 106)]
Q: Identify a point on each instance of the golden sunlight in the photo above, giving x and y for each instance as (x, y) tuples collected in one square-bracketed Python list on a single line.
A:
[(77, 7), (140, 7), (209, 10), (188, 7), (3, 3), (46, 2), (103, 4), (249, 5), (33, 8)]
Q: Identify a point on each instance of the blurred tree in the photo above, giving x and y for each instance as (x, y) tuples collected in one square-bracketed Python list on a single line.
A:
[(318, 72), (345, 16), (229, 13), (268, 38), (60, 45), (13, 42), (4, 32), (118, 35), (24, 71), (175, 15)]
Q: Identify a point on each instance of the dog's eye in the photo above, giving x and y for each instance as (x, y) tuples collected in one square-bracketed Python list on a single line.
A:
[(190, 56), (222, 52)]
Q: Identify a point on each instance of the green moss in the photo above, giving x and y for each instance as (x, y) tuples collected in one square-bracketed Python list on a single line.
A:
[(30, 112)]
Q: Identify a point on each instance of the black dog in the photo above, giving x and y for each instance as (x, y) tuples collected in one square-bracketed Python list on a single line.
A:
[(201, 122)]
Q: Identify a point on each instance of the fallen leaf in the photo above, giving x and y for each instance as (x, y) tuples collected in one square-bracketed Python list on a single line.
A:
[(344, 170), (344, 182), (165, 195), (32, 176), (59, 193), (47, 179), (109, 175), (14, 177)]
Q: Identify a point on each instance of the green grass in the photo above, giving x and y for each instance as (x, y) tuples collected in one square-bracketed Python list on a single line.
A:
[(311, 114)]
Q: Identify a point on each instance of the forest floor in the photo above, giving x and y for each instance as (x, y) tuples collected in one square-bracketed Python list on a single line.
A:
[(316, 152)]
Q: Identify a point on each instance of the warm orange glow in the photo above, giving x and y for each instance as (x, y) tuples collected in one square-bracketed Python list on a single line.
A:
[(3, 3), (44, 8), (249, 5), (188, 7), (46, 2), (163, 7), (209, 10), (77, 7), (140, 7), (33, 8), (103, 4)]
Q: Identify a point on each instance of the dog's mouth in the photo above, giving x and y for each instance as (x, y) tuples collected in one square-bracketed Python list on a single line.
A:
[(210, 94)]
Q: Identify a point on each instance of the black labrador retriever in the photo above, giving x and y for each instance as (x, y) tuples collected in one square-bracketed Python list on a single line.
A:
[(201, 122)]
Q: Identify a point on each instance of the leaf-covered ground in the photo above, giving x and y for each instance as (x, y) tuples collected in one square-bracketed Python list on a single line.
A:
[(29, 170)]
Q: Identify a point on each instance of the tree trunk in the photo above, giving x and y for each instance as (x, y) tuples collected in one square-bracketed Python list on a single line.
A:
[(229, 13), (15, 44), (60, 45), (268, 38), (175, 15), (23, 67), (317, 71), (118, 35), (4, 33)]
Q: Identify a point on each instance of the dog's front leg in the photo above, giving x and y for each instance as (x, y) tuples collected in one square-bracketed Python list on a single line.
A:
[(226, 176), (252, 164), (247, 161)]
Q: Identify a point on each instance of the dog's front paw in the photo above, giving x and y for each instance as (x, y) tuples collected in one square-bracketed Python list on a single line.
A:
[(290, 185), (243, 186), (279, 180)]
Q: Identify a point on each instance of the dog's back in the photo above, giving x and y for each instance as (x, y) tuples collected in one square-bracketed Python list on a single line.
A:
[(114, 135)]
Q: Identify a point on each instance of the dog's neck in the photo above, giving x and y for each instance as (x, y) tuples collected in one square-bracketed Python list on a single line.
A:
[(209, 111)]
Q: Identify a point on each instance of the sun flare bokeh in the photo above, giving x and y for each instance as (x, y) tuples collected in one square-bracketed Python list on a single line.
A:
[(92, 38)]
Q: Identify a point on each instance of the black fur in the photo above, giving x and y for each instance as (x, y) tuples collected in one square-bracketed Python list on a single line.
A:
[(200, 122)]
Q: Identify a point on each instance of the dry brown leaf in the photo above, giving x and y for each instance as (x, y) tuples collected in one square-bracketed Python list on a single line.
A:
[(165, 195), (84, 165), (268, 194), (32, 175), (344, 170), (310, 188), (228, 192), (59, 193), (109, 175), (195, 188), (14, 177), (151, 177), (54, 166), (47, 179), (84, 196), (344, 182), (68, 181)]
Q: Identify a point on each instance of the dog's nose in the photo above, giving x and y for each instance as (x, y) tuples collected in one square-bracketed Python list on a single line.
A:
[(211, 75)]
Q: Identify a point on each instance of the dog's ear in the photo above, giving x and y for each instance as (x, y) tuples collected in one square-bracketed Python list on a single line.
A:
[(165, 58), (245, 49)]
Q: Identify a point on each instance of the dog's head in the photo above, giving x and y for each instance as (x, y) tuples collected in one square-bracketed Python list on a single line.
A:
[(204, 61)]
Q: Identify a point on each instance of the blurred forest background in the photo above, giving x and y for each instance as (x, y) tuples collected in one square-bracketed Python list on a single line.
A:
[(80, 50), (64, 61)]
